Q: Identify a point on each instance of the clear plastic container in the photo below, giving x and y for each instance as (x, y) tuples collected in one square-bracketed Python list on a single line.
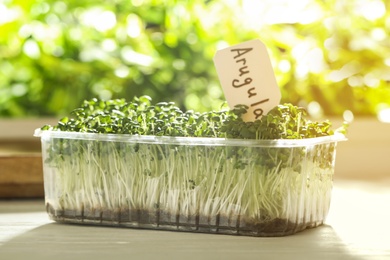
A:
[(211, 185)]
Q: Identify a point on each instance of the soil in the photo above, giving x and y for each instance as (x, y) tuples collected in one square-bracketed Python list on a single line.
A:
[(125, 217)]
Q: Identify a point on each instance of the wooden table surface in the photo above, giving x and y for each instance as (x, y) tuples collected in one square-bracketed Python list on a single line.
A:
[(357, 227)]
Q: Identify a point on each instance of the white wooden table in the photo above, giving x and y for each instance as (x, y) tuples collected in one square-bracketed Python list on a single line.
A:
[(358, 227)]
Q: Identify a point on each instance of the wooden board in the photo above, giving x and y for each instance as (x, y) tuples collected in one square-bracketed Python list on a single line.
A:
[(21, 176)]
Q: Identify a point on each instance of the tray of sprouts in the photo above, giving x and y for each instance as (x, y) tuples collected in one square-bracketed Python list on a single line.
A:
[(142, 165)]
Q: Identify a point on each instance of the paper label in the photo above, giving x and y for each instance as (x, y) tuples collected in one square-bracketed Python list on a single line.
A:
[(247, 78)]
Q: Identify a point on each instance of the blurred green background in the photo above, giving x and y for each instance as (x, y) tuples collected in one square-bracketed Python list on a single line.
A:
[(329, 56)]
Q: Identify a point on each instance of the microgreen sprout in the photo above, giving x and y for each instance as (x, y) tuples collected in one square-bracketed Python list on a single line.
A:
[(140, 117)]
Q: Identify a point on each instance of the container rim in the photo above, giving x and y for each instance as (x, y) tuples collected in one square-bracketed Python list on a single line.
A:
[(211, 141)]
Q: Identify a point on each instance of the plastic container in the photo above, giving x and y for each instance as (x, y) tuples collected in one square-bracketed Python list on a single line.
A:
[(211, 185)]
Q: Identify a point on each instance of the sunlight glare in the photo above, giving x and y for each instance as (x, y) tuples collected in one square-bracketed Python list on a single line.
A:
[(371, 9), (378, 34), (371, 80), (109, 45), (259, 13), (8, 14), (122, 72), (346, 71), (60, 7), (387, 62), (133, 28), (348, 116), (356, 81), (364, 232), (19, 89), (101, 20), (133, 57), (106, 21), (384, 115), (284, 66), (314, 109), (31, 49)]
